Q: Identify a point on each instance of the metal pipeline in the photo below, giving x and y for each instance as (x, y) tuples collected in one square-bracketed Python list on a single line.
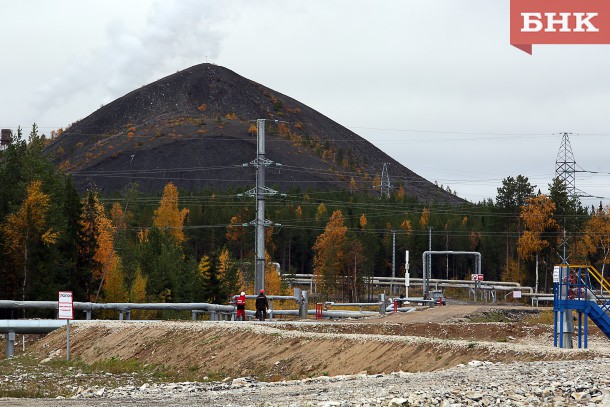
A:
[(344, 314)]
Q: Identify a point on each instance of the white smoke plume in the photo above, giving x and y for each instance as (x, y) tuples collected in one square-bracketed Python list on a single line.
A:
[(177, 34)]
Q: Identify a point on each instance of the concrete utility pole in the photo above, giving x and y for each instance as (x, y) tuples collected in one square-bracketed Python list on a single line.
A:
[(428, 270), (259, 192), (407, 276), (259, 280), (393, 261)]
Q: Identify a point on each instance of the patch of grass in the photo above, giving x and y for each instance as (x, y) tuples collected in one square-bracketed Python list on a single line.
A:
[(21, 393), (116, 366), (112, 365), (27, 377), (216, 376), (8, 366), (61, 363), (545, 317)]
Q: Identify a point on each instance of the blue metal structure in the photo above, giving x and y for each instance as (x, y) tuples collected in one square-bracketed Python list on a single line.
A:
[(574, 290)]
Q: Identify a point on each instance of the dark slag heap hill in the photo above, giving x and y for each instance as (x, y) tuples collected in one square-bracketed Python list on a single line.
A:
[(191, 128)]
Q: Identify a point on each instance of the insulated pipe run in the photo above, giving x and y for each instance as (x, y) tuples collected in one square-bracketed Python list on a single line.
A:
[(498, 285), (344, 314), (123, 308), (425, 265)]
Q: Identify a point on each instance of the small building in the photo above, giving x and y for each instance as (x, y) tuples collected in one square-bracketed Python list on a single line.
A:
[(6, 138)]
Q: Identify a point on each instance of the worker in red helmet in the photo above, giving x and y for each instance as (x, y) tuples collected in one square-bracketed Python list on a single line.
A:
[(262, 305), (241, 307)]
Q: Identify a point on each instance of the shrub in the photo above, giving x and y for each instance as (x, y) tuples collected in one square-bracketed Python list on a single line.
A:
[(277, 104)]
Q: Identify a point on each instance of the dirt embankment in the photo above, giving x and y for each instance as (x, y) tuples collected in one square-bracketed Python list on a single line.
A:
[(289, 350)]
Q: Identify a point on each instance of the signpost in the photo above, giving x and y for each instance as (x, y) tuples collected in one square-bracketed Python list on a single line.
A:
[(65, 310)]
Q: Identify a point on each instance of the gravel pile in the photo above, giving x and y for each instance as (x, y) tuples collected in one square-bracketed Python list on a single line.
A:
[(565, 383), (529, 347)]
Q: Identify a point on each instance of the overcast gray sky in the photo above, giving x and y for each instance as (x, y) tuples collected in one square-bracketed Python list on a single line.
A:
[(433, 83)]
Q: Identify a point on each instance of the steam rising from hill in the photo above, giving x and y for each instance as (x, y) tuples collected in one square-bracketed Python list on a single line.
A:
[(177, 33)]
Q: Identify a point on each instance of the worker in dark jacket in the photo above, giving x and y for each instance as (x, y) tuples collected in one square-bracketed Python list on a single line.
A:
[(262, 305)]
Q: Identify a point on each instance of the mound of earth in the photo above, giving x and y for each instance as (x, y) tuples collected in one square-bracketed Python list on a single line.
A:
[(195, 128), (280, 350)]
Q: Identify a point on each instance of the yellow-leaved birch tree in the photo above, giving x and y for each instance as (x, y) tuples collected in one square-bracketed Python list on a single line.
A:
[(27, 227), (595, 239), (537, 217)]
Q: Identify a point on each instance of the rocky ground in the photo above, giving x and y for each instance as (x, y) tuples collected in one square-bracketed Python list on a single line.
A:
[(477, 383), (396, 360)]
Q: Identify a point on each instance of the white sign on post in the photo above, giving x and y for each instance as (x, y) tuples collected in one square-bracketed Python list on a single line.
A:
[(65, 310), (556, 274), (65, 307)]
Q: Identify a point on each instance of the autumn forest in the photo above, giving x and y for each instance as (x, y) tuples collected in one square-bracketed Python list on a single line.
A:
[(185, 246)]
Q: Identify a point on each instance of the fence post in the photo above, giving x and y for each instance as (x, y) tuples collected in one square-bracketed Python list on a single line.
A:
[(10, 344), (303, 304), (270, 309), (319, 309), (382, 303)]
